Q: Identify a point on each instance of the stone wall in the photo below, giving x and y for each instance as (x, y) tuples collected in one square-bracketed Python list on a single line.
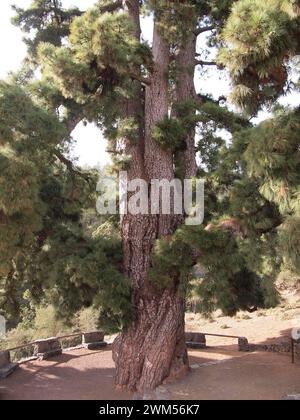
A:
[(93, 340), (284, 347), (51, 347), (44, 349), (195, 340), (6, 367)]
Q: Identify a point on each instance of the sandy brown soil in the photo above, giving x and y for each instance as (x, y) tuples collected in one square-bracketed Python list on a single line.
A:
[(257, 376), (262, 327), (76, 375), (220, 372)]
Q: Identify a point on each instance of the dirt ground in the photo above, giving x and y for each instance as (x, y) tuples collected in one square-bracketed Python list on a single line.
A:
[(261, 327), (219, 372)]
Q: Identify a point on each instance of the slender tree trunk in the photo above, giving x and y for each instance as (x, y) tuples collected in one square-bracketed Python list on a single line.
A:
[(152, 350)]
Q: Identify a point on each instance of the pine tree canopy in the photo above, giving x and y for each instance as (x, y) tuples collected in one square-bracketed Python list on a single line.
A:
[(260, 38), (41, 238)]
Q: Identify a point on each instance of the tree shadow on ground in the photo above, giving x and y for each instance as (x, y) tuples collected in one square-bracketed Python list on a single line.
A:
[(72, 376), (218, 372)]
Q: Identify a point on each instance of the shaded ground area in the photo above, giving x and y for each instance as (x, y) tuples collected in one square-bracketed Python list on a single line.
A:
[(217, 373), (220, 372)]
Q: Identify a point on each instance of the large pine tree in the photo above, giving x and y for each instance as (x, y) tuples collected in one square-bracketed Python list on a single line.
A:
[(96, 67)]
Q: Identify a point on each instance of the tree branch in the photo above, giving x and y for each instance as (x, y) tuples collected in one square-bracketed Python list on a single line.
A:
[(141, 79), (114, 5), (72, 121), (71, 168), (205, 63), (205, 98), (199, 31)]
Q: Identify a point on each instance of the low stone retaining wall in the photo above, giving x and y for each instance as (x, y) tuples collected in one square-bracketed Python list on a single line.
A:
[(198, 340), (243, 344), (51, 347), (44, 349), (195, 340), (93, 340), (283, 347), (6, 367)]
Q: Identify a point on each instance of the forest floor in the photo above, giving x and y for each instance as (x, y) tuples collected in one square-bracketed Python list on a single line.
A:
[(218, 372)]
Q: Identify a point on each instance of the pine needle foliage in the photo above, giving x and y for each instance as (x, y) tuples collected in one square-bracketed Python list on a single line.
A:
[(260, 37)]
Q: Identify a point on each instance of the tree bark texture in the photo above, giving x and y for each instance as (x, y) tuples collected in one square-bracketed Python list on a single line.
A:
[(152, 350)]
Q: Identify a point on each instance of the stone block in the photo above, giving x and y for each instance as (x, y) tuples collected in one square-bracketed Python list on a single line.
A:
[(93, 340), (6, 367), (200, 338), (192, 345), (44, 349), (4, 358), (93, 337), (195, 340), (243, 344), (95, 346), (293, 397)]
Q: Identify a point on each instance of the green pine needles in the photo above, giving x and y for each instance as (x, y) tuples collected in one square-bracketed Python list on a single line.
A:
[(54, 249)]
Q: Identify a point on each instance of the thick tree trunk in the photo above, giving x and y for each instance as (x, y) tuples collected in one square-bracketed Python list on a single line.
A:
[(153, 349)]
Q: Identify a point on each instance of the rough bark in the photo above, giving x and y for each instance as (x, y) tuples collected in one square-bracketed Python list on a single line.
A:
[(185, 90), (153, 349)]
